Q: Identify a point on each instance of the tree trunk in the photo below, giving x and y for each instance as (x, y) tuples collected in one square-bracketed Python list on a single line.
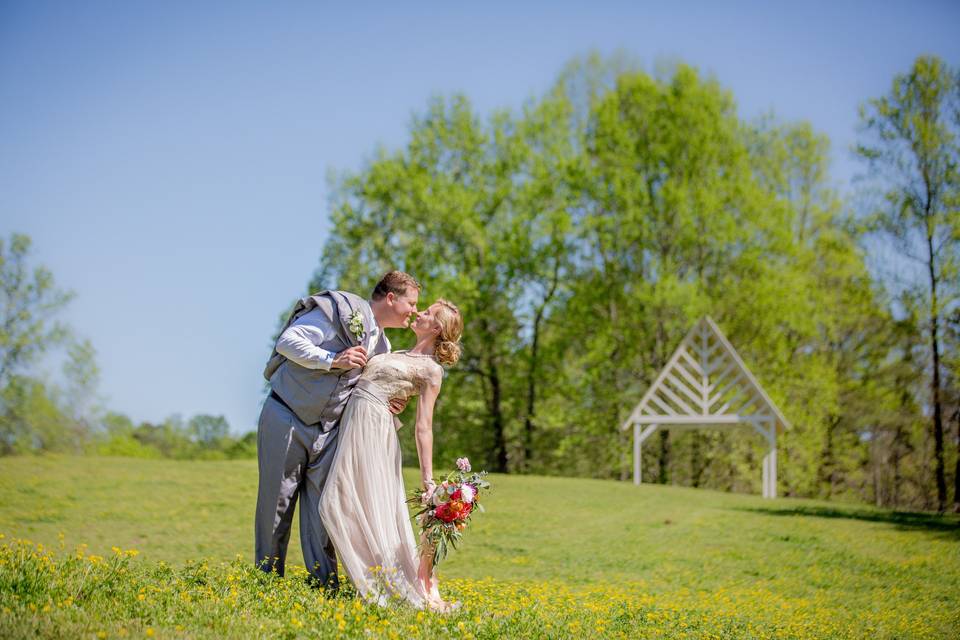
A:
[(528, 425), (878, 460), (956, 472), (827, 461), (497, 421), (615, 385), (661, 361), (696, 464), (664, 472), (895, 454), (937, 408), (531, 395)]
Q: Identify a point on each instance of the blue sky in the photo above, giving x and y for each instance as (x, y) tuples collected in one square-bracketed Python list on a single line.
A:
[(169, 159)]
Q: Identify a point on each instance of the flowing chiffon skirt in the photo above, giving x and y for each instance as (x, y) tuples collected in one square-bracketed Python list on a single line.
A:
[(363, 506)]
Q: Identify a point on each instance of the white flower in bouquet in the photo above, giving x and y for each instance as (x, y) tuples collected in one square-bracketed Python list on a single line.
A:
[(467, 493)]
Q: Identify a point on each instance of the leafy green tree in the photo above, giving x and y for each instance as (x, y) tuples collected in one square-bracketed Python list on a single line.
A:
[(32, 418), (910, 143), (476, 212), (170, 438), (80, 399), (208, 430), (676, 222), (29, 302), (118, 439)]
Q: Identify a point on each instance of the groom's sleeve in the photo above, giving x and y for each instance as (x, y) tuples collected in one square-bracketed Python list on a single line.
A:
[(300, 342)]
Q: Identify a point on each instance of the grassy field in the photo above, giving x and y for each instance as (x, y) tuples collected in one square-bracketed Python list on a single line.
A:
[(551, 557)]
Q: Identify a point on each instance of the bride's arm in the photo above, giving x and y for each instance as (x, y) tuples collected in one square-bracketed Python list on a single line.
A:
[(424, 428)]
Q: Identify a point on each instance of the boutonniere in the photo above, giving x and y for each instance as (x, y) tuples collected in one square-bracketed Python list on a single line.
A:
[(356, 326)]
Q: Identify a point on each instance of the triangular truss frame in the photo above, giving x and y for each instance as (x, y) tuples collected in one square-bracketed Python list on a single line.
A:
[(706, 384)]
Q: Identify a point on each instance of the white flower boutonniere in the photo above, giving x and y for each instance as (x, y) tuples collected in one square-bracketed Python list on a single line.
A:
[(356, 326)]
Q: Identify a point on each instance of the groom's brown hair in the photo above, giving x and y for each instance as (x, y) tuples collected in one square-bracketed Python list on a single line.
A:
[(395, 282)]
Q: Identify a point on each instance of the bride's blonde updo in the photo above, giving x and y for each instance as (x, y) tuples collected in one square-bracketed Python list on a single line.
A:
[(447, 350)]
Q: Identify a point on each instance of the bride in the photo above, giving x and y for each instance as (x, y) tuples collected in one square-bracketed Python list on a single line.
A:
[(363, 506)]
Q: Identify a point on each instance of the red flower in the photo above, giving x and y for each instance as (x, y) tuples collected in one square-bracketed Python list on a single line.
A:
[(453, 510), (465, 510), (445, 513)]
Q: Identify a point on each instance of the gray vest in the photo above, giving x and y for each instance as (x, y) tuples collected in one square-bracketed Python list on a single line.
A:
[(318, 396)]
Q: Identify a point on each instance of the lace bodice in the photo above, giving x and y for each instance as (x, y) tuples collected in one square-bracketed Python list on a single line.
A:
[(401, 374)]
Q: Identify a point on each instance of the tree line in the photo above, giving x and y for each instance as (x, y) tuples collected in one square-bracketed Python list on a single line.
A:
[(585, 233)]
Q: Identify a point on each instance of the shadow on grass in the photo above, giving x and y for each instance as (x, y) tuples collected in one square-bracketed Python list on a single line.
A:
[(944, 525)]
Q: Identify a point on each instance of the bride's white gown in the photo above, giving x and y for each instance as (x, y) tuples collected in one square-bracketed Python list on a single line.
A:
[(363, 506)]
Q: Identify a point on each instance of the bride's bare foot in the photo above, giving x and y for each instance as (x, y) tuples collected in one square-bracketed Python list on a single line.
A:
[(442, 606), (433, 601)]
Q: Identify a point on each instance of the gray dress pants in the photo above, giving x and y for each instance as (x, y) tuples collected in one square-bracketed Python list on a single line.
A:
[(294, 461)]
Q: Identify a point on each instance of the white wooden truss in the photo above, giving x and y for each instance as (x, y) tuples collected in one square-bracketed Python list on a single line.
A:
[(705, 384)]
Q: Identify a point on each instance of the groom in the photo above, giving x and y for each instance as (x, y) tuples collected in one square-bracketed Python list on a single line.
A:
[(317, 361)]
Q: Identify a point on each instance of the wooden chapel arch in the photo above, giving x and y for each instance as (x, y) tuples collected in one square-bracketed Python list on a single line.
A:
[(706, 384)]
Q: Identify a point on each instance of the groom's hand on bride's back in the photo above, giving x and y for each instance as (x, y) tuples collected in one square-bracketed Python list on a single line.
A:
[(351, 358)]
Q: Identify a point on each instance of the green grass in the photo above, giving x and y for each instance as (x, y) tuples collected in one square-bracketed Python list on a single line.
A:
[(551, 557)]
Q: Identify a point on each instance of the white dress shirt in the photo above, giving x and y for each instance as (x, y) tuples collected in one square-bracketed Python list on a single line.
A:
[(300, 342)]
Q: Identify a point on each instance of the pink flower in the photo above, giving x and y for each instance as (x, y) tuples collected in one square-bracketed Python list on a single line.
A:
[(463, 464), (467, 493)]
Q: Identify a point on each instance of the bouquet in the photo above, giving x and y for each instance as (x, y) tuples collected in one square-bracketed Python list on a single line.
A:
[(445, 512)]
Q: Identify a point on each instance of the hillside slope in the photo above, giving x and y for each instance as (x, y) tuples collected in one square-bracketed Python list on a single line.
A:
[(818, 565)]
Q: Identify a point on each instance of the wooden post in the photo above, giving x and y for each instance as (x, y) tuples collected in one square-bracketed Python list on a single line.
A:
[(766, 476), (638, 438), (770, 460), (766, 462), (636, 454), (773, 459)]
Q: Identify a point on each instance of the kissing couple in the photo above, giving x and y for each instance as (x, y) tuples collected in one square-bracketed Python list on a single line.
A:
[(328, 435)]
